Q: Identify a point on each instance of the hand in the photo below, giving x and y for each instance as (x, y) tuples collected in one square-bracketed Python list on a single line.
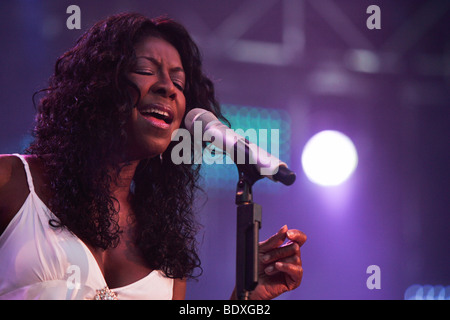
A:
[(280, 266)]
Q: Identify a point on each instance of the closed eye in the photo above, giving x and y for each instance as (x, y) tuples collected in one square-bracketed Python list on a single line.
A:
[(144, 73), (179, 86)]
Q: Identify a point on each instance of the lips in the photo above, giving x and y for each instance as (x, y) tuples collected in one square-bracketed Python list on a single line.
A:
[(157, 114)]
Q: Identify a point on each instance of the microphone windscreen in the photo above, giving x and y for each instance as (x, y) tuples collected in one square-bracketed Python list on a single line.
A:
[(198, 114)]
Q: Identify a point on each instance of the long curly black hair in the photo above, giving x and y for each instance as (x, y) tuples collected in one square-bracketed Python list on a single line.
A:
[(80, 132)]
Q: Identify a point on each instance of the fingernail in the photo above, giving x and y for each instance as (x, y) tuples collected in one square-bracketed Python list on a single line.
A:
[(269, 269), (283, 228), (265, 258)]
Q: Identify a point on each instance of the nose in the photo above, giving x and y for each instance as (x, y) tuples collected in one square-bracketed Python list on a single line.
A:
[(164, 87)]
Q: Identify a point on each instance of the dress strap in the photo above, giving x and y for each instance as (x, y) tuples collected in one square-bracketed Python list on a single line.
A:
[(27, 171)]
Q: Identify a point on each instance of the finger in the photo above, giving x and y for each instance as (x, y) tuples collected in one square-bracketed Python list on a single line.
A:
[(277, 267), (293, 272), (291, 249), (274, 241), (296, 236)]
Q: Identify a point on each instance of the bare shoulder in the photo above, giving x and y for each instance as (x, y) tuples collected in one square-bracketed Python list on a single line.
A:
[(13, 187), (12, 168), (9, 165), (179, 289)]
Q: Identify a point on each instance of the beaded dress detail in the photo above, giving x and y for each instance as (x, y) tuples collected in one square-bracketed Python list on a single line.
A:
[(105, 294)]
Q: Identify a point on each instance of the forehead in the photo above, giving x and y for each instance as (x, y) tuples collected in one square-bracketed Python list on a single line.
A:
[(159, 49)]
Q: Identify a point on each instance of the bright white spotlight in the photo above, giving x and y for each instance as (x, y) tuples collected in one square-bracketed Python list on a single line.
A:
[(329, 158)]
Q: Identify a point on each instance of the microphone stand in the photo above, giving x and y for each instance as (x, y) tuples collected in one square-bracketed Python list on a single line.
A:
[(249, 216)]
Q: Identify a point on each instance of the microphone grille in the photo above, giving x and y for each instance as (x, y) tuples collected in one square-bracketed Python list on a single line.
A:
[(198, 114)]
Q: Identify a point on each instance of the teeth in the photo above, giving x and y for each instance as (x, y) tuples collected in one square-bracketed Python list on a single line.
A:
[(157, 111)]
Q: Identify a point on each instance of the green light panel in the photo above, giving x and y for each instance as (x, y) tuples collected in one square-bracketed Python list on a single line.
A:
[(225, 176)]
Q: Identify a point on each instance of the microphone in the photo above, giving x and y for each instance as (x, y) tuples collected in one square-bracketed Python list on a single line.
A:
[(248, 156)]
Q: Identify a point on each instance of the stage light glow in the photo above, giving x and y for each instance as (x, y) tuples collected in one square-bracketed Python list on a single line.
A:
[(427, 292), (329, 158)]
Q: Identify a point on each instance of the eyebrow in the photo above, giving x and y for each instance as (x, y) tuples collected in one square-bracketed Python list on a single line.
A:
[(156, 62)]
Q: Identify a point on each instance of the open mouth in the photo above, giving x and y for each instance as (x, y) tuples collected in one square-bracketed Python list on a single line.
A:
[(157, 114)]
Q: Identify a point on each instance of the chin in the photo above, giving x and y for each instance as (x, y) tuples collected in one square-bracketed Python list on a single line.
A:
[(146, 149), (155, 149)]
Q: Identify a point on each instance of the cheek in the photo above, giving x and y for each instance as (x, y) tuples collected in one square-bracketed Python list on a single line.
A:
[(141, 88), (181, 111), (132, 126)]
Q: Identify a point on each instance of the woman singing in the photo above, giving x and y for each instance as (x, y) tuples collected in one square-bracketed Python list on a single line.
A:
[(96, 209)]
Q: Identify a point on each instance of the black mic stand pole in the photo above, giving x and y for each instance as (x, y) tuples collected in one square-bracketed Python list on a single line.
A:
[(249, 215)]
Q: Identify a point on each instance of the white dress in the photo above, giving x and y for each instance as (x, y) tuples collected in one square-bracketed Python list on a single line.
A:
[(40, 262)]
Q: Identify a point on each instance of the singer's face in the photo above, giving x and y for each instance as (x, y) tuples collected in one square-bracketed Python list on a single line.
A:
[(159, 75)]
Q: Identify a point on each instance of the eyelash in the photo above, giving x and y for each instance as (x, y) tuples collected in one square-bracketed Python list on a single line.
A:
[(145, 73)]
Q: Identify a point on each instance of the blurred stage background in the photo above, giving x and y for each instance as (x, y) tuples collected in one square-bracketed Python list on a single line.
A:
[(301, 66)]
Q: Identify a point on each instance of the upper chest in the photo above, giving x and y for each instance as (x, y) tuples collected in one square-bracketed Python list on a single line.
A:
[(121, 265)]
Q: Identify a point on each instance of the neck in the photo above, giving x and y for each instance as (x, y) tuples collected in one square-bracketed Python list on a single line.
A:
[(120, 187)]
